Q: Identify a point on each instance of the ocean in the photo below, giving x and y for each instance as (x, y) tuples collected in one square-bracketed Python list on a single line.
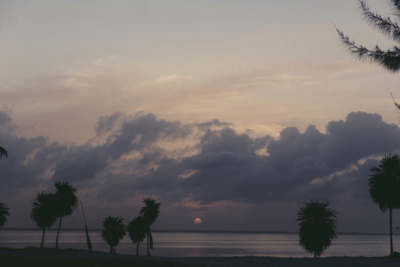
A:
[(178, 244)]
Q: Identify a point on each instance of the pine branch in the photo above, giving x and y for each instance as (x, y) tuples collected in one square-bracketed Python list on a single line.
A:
[(397, 105), (396, 3), (390, 59), (386, 25)]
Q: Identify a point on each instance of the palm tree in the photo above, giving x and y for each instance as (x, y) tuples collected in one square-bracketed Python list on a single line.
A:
[(150, 213), (43, 212), (317, 224), (3, 152), (113, 231), (384, 186), (137, 230), (4, 212), (66, 201)]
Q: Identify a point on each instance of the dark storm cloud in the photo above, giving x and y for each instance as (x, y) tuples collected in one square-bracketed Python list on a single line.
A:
[(227, 168), (29, 160), (136, 155), (134, 134)]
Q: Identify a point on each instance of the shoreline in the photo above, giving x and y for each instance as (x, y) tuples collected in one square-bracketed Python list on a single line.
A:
[(77, 258)]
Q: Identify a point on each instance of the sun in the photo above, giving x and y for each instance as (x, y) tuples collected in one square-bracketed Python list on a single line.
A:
[(197, 220)]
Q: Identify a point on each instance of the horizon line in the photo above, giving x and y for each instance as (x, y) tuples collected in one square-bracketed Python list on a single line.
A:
[(195, 231)]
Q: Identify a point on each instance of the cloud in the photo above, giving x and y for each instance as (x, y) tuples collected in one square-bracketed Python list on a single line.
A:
[(164, 80), (133, 156)]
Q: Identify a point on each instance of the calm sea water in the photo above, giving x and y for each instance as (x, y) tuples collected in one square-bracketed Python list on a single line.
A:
[(209, 244)]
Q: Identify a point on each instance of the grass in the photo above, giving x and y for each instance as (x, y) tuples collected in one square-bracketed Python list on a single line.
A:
[(34, 257)]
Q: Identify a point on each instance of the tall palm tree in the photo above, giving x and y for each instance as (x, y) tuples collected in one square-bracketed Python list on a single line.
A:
[(66, 201), (137, 230), (150, 213), (113, 231), (43, 212), (384, 188), (3, 152), (317, 223), (4, 212)]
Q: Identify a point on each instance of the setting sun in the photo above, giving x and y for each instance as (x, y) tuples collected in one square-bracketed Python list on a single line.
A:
[(197, 220)]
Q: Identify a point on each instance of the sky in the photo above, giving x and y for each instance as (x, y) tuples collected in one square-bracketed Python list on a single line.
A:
[(236, 112)]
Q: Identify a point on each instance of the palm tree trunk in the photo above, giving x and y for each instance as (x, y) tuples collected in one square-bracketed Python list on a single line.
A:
[(148, 245), (43, 234), (151, 240), (391, 230), (58, 230), (137, 248)]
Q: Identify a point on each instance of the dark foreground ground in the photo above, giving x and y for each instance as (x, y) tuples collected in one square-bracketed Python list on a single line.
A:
[(74, 258)]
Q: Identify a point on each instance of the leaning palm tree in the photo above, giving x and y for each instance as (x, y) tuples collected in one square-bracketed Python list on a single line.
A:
[(137, 230), (66, 201), (384, 188), (150, 213), (44, 213), (317, 224), (113, 231), (4, 212), (3, 152)]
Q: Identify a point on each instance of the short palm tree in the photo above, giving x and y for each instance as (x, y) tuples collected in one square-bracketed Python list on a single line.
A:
[(150, 213), (44, 213), (384, 188), (66, 201), (137, 230), (317, 223), (3, 152), (113, 231), (4, 212)]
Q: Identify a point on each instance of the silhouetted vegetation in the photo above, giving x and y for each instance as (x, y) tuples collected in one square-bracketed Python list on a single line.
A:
[(113, 231), (384, 188), (317, 224), (3, 152), (390, 59), (4, 213), (65, 201), (44, 212), (150, 213), (137, 230)]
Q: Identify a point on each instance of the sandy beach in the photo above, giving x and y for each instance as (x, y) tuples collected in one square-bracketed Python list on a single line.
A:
[(77, 258)]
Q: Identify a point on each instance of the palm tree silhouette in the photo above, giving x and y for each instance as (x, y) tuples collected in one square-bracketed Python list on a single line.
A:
[(113, 231), (44, 212), (4, 212), (384, 188), (66, 201), (3, 208), (317, 223), (137, 230), (150, 213), (3, 152)]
